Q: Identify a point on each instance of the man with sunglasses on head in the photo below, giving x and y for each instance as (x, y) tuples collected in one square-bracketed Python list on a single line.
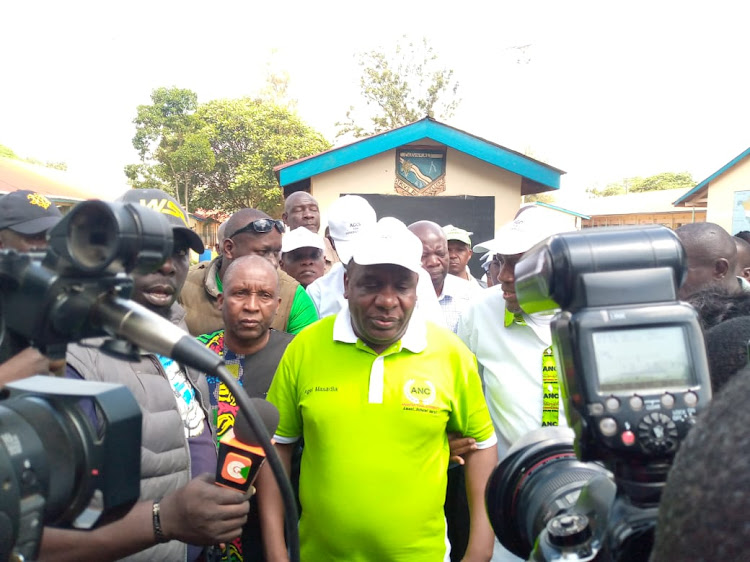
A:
[(248, 232)]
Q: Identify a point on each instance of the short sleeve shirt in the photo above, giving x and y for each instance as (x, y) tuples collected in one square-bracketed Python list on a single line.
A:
[(374, 470)]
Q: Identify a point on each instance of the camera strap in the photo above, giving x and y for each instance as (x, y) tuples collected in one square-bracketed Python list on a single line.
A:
[(550, 389)]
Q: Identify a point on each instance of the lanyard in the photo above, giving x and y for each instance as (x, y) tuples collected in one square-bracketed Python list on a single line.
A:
[(551, 389), (550, 383)]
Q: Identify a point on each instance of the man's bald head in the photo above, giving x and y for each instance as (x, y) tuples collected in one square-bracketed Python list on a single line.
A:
[(711, 257), (249, 301), (301, 209), (241, 266), (434, 251)]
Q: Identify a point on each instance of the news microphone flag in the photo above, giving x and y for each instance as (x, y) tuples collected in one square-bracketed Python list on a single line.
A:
[(240, 453)]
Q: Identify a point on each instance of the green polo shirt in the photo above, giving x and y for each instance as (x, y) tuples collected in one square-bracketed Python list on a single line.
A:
[(374, 469)]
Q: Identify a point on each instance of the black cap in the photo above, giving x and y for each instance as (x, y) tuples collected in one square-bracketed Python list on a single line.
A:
[(163, 203), (28, 212)]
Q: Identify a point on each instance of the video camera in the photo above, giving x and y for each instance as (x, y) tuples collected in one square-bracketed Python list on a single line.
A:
[(70, 450), (634, 375)]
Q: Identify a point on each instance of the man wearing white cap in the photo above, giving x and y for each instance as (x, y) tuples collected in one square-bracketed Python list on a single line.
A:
[(373, 391), (459, 254), (302, 255), (513, 348), (347, 216)]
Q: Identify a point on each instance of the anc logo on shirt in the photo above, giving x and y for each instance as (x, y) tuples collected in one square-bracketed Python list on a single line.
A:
[(420, 391)]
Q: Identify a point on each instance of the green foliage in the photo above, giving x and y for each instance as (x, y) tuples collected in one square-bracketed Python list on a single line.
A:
[(666, 180), (6, 152), (168, 140), (249, 137), (658, 182), (401, 89), (219, 155), (545, 197)]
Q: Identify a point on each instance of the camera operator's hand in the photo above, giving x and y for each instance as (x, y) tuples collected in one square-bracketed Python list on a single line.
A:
[(460, 445), (26, 363), (204, 513)]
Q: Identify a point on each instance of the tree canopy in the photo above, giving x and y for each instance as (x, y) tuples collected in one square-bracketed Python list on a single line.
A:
[(399, 89), (658, 182), (218, 155)]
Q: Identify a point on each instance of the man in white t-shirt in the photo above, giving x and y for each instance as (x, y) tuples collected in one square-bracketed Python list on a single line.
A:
[(514, 349)]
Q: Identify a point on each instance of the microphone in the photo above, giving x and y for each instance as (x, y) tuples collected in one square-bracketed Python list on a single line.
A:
[(240, 453), (149, 331)]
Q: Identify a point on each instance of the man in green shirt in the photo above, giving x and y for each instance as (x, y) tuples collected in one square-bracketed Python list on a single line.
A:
[(248, 232), (374, 391)]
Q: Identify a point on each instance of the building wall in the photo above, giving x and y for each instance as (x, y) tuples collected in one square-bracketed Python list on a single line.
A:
[(721, 194), (465, 175), (671, 220)]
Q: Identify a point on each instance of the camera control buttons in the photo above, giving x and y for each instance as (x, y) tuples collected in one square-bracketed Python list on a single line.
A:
[(608, 427), (691, 399), (658, 433), (612, 403), (636, 403), (596, 409), (628, 438), (667, 400)]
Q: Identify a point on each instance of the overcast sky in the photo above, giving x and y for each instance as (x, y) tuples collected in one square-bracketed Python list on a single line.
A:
[(601, 92)]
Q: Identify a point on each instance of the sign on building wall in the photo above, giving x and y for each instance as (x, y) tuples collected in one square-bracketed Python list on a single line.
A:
[(741, 212), (420, 171)]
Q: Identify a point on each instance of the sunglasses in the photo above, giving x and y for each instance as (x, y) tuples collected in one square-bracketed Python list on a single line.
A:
[(261, 226)]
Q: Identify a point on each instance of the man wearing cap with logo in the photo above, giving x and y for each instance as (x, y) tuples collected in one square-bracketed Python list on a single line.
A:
[(302, 255), (180, 507), (459, 254), (301, 210), (25, 218), (248, 232), (513, 348), (374, 391), (347, 216)]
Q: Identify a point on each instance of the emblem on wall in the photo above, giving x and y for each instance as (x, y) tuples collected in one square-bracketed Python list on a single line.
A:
[(420, 171)]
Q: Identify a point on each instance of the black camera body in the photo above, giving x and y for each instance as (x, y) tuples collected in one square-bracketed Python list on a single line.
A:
[(70, 450), (634, 375)]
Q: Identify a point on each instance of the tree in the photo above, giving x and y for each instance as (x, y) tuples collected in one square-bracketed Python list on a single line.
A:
[(666, 180), (658, 182), (249, 137), (169, 142), (219, 155), (401, 89)]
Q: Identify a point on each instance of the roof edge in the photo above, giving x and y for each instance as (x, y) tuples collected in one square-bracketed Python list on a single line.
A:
[(709, 179), (427, 127)]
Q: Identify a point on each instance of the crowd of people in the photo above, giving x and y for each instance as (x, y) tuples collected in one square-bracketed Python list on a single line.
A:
[(401, 379)]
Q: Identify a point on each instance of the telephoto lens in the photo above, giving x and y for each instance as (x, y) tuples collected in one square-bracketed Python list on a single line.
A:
[(539, 479)]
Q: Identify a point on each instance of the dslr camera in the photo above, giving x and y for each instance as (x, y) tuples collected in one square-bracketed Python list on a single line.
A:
[(634, 376)]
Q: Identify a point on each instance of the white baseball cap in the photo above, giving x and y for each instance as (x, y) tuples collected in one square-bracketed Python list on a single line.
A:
[(455, 233), (300, 237), (346, 217), (531, 225), (388, 242)]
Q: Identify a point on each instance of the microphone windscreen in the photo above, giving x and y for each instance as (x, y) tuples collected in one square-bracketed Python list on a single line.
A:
[(267, 412)]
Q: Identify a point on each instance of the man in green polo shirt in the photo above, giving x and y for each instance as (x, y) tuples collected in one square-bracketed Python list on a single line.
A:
[(374, 391)]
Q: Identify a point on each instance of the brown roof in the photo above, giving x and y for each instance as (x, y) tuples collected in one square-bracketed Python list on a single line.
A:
[(55, 184)]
